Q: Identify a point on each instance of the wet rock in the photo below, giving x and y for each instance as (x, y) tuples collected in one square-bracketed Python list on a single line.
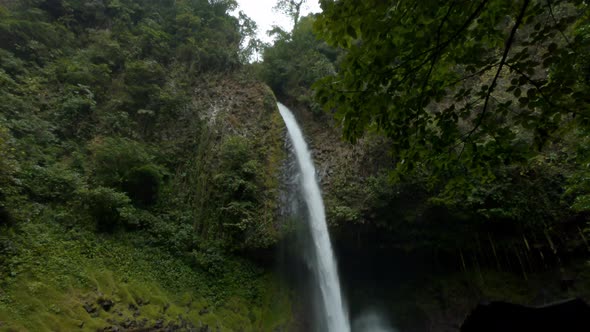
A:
[(133, 308), (172, 326), (570, 315), (106, 304), (113, 328), (185, 324), (128, 323), (141, 302), (90, 308)]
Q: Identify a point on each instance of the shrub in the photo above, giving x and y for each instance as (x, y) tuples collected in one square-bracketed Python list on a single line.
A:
[(75, 112), (209, 259), (52, 183), (143, 184), (127, 166), (5, 216), (143, 79), (8, 169), (237, 189), (106, 207)]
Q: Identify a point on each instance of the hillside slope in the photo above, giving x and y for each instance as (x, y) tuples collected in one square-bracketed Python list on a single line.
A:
[(139, 167)]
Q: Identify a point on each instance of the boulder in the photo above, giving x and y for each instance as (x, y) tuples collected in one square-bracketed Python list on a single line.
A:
[(571, 315)]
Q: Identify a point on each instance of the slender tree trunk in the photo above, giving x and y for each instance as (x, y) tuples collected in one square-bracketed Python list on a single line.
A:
[(297, 12)]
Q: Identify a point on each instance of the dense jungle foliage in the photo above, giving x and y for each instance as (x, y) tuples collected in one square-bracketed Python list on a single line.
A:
[(116, 181), (89, 93), (478, 110), (141, 154)]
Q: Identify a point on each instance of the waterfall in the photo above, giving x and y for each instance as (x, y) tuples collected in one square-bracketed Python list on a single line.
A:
[(324, 264)]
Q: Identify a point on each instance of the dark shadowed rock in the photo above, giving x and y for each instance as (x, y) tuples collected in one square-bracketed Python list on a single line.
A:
[(566, 283), (132, 307), (128, 323), (141, 302), (90, 308), (106, 304), (172, 326), (570, 315)]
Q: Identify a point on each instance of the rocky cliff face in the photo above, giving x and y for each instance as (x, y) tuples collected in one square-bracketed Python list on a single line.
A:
[(240, 126), (387, 246), (222, 149), (346, 170), (236, 167)]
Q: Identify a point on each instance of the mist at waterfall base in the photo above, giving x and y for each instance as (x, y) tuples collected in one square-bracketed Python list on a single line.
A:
[(305, 201)]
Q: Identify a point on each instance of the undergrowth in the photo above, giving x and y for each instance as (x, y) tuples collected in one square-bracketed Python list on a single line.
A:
[(52, 272)]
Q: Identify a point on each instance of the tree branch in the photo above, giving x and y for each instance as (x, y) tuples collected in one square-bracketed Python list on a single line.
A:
[(446, 43), (477, 73), (555, 20), (434, 58), (532, 82), (507, 47)]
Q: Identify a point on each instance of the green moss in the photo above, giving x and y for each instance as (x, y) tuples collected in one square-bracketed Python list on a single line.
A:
[(275, 155), (56, 272), (238, 167)]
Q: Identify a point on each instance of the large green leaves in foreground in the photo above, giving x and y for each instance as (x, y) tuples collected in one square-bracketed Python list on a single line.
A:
[(458, 86)]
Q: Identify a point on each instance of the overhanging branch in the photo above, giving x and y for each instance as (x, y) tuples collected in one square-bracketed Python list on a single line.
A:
[(492, 86)]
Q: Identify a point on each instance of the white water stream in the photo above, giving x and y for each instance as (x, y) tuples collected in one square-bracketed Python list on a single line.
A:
[(324, 265)]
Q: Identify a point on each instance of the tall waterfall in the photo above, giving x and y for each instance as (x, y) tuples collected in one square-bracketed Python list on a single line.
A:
[(324, 264)]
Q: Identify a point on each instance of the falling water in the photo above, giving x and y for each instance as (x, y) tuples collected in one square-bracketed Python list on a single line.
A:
[(324, 263)]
